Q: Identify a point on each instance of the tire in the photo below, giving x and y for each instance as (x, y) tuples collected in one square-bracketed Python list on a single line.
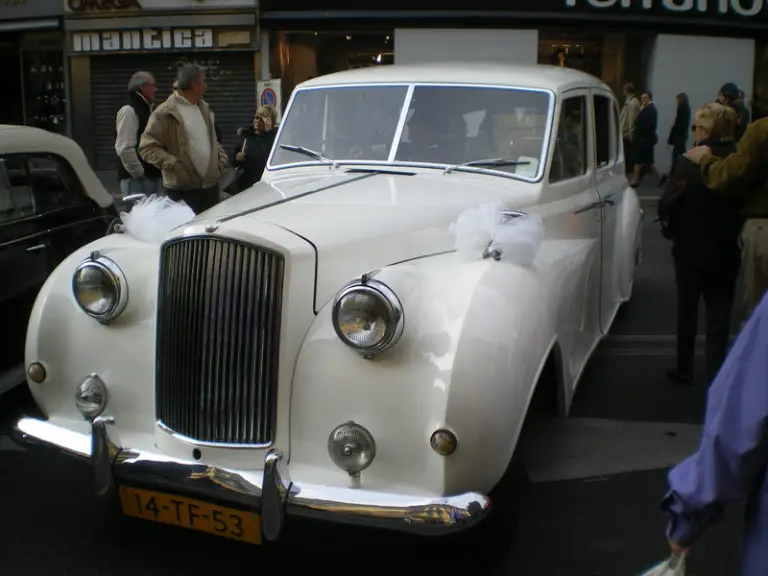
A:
[(496, 534)]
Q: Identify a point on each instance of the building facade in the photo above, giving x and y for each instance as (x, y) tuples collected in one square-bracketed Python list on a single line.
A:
[(108, 40), (32, 52), (665, 46)]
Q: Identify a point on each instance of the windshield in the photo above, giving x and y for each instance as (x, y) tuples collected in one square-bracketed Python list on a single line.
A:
[(442, 125)]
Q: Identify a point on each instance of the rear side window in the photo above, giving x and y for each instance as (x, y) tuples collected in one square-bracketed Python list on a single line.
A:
[(53, 183), (16, 198)]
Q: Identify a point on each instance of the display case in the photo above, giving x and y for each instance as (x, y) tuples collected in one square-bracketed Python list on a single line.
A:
[(45, 100)]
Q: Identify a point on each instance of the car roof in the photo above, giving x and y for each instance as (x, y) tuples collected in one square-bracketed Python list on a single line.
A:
[(540, 76), (26, 139)]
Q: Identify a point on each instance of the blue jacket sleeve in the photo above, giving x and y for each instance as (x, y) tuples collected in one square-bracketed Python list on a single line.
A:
[(732, 453)]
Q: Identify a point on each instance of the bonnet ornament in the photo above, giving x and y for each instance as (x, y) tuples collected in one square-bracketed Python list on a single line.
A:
[(490, 231)]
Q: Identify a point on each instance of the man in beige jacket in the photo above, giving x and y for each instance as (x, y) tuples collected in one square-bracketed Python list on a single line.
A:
[(181, 141), (627, 120)]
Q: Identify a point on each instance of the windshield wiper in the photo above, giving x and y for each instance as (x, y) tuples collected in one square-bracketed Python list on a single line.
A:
[(308, 152), (379, 171), (486, 162)]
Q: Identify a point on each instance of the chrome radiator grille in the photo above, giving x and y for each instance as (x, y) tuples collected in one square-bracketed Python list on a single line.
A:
[(218, 330)]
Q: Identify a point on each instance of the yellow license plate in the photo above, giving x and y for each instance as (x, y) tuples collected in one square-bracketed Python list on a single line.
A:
[(191, 514)]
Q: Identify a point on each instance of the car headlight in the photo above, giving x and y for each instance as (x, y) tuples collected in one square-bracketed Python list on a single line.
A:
[(368, 316), (100, 288)]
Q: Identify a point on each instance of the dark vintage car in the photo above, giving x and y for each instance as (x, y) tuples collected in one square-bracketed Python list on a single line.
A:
[(51, 203)]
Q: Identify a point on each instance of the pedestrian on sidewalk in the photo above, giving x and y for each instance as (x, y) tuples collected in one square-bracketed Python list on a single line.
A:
[(136, 176), (644, 140), (180, 140), (627, 120), (678, 134), (742, 174), (254, 143), (704, 228), (732, 459)]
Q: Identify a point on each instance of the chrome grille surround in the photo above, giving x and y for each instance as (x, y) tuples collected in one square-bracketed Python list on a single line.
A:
[(217, 347)]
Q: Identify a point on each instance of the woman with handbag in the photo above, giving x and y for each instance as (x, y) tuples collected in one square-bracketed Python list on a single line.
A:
[(254, 143), (704, 228)]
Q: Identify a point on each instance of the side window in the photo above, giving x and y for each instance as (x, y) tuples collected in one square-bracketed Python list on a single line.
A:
[(569, 159), (617, 140), (53, 183), (602, 131), (16, 199)]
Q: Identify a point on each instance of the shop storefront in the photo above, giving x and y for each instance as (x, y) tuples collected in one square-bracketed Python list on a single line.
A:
[(619, 41), (159, 36), (31, 49)]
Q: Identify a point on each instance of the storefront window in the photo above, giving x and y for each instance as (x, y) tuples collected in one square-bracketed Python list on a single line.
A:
[(45, 101), (299, 56)]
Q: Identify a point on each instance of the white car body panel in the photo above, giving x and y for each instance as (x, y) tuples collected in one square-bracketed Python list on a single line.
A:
[(477, 333)]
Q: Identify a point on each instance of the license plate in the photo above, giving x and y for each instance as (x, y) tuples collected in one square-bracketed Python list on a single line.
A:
[(191, 514)]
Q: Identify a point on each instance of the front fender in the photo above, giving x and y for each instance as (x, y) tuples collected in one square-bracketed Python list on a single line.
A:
[(72, 345), (476, 335)]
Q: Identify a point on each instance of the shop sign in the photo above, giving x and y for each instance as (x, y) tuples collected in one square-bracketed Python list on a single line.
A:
[(146, 39), (22, 9), (86, 6), (744, 8), (101, 5)]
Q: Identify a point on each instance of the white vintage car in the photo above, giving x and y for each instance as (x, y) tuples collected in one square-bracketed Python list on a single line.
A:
[(359, 336)]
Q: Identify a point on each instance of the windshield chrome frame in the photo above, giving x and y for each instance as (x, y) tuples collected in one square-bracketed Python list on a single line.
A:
[(391, 162)]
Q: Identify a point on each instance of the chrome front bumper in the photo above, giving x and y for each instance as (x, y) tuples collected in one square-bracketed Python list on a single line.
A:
[(275, 495)]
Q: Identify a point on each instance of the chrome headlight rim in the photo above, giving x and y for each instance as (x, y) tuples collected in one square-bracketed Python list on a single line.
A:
[(114, 273), (395, 323)]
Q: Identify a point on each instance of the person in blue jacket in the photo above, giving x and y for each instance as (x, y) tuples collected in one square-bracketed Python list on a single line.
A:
[(732, 458)]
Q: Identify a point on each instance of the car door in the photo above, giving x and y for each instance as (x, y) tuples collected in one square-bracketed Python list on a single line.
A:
[(73, 219), (572, 200), (610, 182), (26, 260)]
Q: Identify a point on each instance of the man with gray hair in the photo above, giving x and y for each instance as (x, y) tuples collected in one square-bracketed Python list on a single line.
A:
[(136, 176), (180, 140)]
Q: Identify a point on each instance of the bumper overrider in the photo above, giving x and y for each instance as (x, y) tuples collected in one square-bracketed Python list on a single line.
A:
[(271, 492)]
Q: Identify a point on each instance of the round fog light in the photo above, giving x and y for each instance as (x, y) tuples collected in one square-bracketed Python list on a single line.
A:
[(91, 397), (443, 442), (351, 447), (36, 372)]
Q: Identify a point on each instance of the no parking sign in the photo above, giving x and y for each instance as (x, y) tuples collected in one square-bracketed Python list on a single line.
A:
[(269, 94)]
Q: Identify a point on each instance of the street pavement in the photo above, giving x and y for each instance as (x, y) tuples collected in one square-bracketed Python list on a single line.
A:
[(593, 508)]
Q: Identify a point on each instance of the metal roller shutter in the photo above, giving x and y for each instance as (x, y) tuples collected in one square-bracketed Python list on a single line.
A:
[(231, 91)]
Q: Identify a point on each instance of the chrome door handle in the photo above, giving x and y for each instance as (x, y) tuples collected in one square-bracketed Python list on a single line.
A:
[(590, 207), (608, 199), (36, 248)]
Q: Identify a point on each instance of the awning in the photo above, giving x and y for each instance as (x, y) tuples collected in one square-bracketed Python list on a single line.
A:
[(34, 24)]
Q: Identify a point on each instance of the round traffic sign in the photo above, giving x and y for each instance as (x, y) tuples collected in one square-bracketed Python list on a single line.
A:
[(268, 97)]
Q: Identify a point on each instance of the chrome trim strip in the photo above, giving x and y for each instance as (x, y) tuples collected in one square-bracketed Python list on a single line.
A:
[(272, 490), (193, 442), (400, 124), (540, 169)]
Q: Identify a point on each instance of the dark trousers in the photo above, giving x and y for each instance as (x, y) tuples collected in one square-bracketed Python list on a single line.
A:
[(677, 153), (629, 162), (199, 199), (717, 285)]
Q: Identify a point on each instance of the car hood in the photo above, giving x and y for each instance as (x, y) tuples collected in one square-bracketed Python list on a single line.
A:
[(360, 222)]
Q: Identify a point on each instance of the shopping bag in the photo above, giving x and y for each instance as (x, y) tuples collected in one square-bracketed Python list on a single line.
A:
[(674, 566)]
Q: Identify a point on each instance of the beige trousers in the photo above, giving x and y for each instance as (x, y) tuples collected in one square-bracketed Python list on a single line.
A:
[(754, 262)]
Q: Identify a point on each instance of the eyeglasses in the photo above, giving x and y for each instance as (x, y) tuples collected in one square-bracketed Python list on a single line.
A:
[(694, 126)]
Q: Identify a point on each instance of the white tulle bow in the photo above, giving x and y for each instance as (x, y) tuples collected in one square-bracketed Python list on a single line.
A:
[(485, 228), (153, 217)]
